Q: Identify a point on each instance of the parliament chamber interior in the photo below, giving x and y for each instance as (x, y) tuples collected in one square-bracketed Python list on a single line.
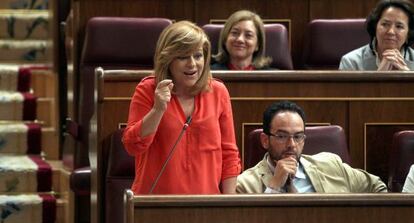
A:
[(68, 70)]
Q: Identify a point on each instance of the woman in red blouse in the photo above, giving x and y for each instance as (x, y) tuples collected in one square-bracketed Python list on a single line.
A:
[(206, 159)]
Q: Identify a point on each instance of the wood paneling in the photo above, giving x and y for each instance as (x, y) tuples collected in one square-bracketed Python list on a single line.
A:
[(310, 208), (378, 143), (114, 112), (366, 117), (361, 102), (251, 111), (352, 100), (331, 9)]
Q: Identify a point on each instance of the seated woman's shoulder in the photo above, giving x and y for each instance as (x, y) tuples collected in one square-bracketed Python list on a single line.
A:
[(359, 51), (410, 54)]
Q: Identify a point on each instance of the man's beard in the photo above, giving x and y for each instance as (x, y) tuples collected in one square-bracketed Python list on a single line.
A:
[(284, 155)]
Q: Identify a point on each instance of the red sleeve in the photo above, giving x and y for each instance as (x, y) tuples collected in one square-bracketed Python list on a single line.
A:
[(230, 152), (141, 103)]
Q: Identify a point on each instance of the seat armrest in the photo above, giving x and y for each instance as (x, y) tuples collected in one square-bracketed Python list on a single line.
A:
[(80, 181)]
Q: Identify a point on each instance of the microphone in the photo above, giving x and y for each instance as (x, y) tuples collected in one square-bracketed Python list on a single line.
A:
[(185, 126)]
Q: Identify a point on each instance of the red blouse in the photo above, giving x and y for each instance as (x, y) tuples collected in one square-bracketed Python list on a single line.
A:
[(205, 155)]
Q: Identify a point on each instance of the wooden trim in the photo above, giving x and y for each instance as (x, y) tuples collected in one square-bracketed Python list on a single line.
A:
[(243, 200), (376, 124)]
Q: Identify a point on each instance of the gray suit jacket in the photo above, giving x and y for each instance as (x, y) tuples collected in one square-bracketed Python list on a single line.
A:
[(326, 172), (363, 59)]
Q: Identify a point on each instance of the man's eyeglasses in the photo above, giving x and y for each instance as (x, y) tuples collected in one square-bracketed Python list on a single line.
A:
[(283, 137)]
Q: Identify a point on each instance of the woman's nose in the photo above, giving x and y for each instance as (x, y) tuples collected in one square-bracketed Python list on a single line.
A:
[(240, 37), (391, 30), (191, 61)]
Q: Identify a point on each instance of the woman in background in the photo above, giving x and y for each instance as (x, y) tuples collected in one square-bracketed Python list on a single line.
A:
[(391, 29), (182, 97), (242, 43)]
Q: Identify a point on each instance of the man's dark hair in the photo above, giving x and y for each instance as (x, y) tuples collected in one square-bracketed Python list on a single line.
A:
[(375, 15), (275, 108)]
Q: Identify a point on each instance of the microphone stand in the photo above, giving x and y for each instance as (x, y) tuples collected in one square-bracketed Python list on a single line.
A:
[(186, 124)]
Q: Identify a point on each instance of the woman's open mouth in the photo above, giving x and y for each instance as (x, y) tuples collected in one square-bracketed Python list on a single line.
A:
[(190, 73)]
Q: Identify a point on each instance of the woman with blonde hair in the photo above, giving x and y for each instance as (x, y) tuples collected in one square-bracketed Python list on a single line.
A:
[(242, 43), (180, 125)]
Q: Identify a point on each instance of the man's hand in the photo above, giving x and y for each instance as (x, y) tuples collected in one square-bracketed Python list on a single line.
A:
[(284, 168)]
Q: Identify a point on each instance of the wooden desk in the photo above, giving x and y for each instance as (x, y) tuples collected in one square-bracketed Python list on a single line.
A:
[(309, 208), (370, 106)]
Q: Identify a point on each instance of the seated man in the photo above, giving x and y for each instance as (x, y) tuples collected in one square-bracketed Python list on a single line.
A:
[(285, 169)]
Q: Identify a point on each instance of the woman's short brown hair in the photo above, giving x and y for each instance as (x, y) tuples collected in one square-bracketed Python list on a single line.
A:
[(179, 39)]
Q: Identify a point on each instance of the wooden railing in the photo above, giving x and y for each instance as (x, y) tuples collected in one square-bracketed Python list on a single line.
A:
[(370, 106), (309, 208)]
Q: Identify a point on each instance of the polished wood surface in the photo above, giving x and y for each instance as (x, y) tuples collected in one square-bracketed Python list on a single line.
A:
[(339, 208), (370, 106)]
